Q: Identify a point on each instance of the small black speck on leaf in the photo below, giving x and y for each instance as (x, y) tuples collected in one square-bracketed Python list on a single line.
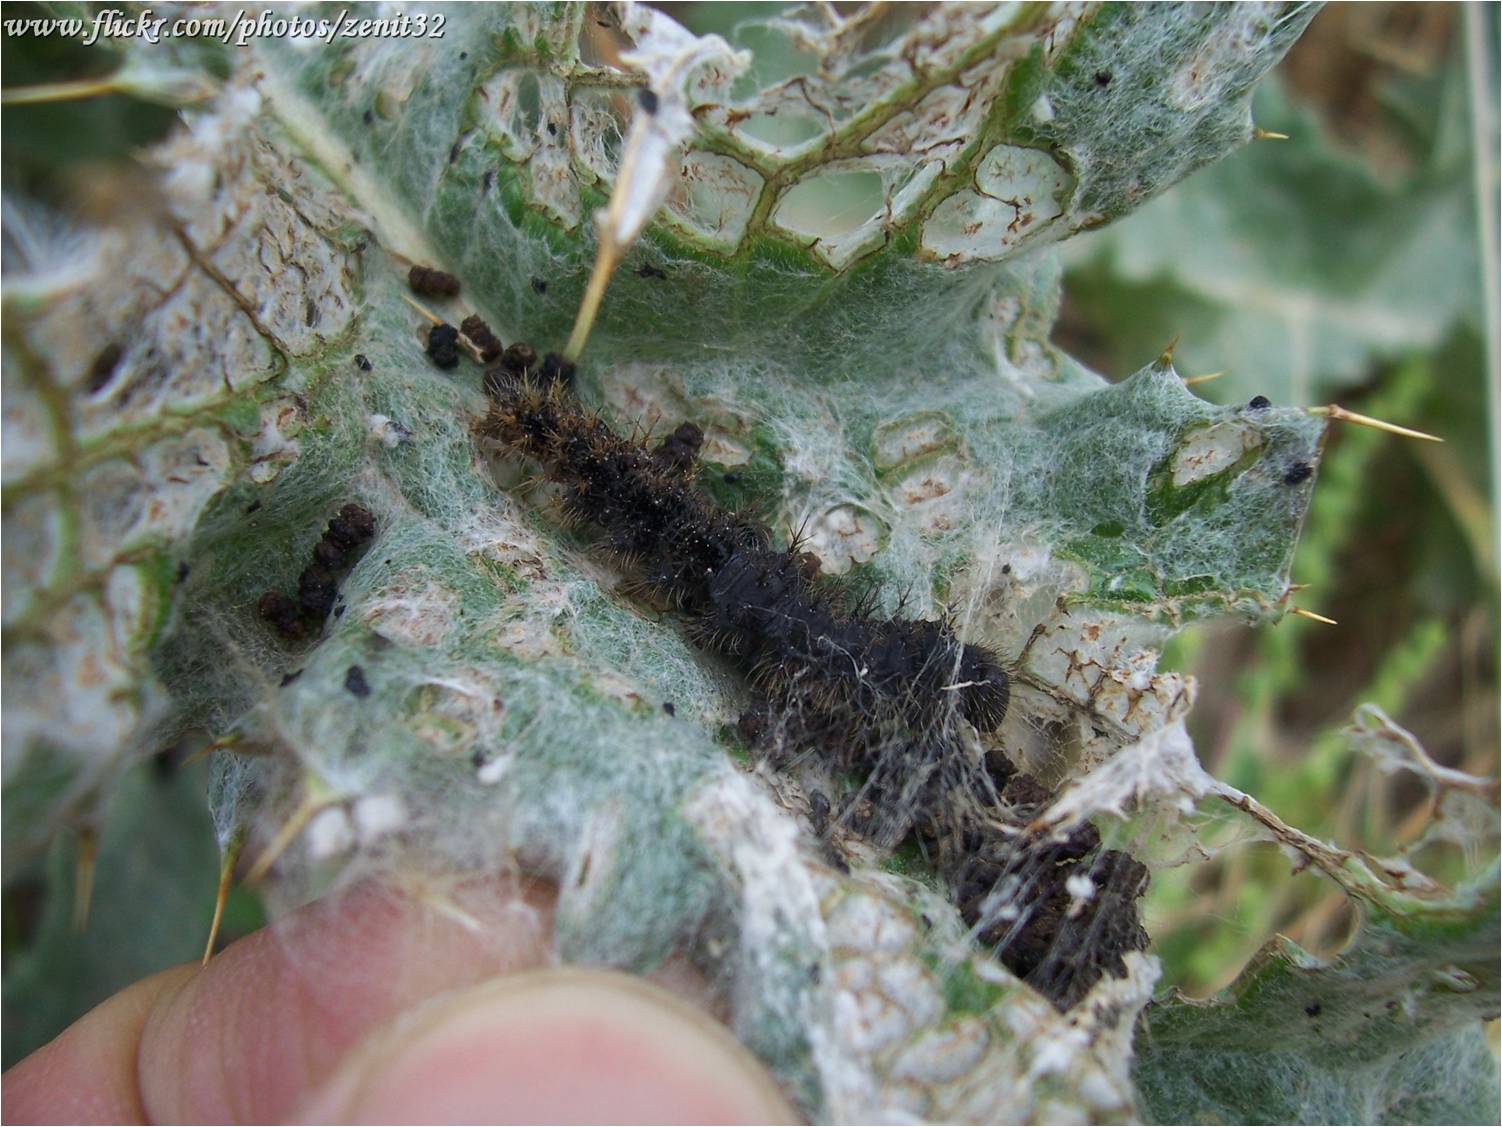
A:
[(370, 117), (254, 506), (355, 682), (731, 478), (647, 99), (1102, 78), (667, 706), (182, 571), (648, 271), (478, 760), (539, 284), (454, 152), (287, 679), (552, 129), (463, 55), (1297, 473), (362, 363), (104, 366), (339, 612), (487, 180), (1259, 403), (1313, 1009)]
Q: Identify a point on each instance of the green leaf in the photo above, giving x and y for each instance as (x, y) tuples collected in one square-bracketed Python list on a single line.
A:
[(1293, 264), (1389, 1031)]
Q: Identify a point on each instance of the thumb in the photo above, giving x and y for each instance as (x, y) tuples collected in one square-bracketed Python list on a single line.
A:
[(552, 1046)]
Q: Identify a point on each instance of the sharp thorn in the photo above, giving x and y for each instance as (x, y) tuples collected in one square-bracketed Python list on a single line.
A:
[(226, 873), (202, 753), (299, 818), (83, 877), (60, 91), (1190, 381), (1299, 587), (607, 254), (1335, 411), (1302, 613), (423, 309), (1260, 134), (1166, 358), (208, 749), (472, 348)]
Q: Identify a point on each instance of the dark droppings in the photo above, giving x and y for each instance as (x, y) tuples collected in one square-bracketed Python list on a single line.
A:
[(480, 335), (354, 681), (429, 282), (647, 100), (318, 586), (1059, 944), (1259, 403), (539, 285), (1297, 473), (818, 812), (443, 345), (284, 614), (362, 363)]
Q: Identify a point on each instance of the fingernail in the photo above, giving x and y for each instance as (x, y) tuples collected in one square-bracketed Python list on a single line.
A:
[(554, 1046)]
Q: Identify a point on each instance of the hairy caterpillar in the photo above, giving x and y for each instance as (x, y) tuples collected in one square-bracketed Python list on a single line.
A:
[(892, 700), (852, 681)]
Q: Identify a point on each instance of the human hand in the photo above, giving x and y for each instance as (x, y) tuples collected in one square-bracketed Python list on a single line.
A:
[(373, 1006)]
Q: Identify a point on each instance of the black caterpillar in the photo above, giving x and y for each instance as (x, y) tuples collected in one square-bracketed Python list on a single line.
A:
[(818, 661), (882, 697)]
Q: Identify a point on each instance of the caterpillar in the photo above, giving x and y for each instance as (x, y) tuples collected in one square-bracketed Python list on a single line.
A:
[(817, 660), (898, 702)]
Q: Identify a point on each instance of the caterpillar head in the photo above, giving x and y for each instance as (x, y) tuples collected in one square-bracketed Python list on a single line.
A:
[(983, 688)]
